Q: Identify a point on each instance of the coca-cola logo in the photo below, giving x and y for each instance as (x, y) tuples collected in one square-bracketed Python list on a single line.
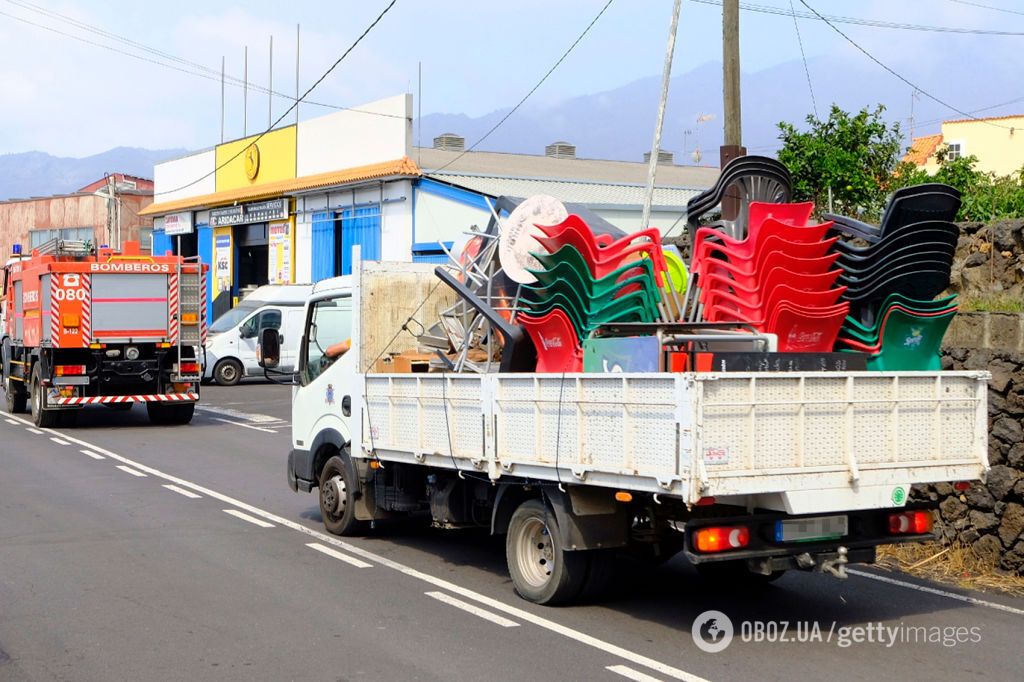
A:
[(550, 342)]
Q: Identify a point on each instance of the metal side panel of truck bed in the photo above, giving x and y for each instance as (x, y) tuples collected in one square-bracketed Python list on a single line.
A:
[(798, 442)]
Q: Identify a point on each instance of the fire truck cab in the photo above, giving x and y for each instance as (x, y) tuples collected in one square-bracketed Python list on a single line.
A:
[(88, 326)]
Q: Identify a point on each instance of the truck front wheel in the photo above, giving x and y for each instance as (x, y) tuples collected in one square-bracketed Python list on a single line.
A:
[(337, 499), (41, 415), (542, 570)]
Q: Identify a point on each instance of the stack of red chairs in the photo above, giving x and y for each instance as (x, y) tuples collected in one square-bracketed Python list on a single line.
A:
[(780, 278)]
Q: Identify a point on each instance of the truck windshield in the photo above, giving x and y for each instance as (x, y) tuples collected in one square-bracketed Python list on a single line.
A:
[(328, 323)]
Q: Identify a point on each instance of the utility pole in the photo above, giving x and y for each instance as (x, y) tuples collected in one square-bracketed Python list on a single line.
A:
[(296, 74), (245, 92), (222, 98), (733, 146), (666, 73), (270, 87)]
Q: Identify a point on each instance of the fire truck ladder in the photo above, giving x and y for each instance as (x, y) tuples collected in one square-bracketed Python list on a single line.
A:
[(65, 247), (190, 296)]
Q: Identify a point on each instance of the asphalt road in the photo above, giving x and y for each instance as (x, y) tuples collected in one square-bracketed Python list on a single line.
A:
[(135, 552)]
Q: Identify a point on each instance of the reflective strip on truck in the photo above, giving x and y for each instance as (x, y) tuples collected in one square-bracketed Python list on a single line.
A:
[(151, 398)]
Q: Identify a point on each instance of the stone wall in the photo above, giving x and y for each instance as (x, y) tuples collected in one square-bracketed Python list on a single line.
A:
[(990, 516)]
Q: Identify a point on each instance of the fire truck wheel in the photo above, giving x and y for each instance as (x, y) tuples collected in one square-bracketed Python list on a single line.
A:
[(170, 414), (15, 397), (228, 372), (41, 416)]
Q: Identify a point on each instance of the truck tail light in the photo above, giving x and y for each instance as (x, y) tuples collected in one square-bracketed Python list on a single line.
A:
[(70, 320), (910, 523), (189, 318), (188, 368), (961, 486), (721, 538), (69, 370)]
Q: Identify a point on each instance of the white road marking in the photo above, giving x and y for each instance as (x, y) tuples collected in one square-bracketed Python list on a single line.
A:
[(35, 431), (11, 421), (129, 470), (251, 519), (238, 414), (60, 441), (475, 610), (92, 454), (244, 426), (631, 674), (935, 590), (181, 491), (358, 563)]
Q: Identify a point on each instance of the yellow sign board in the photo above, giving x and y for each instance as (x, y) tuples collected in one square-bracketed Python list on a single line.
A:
[(249, 162)]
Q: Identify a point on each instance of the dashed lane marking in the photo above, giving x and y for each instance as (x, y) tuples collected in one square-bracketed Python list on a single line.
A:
[(60, 441), (181, 491), (244, 426), (251, 519), (129, 470), (92, 454), (475, 610), (358, 563), (631, 674)]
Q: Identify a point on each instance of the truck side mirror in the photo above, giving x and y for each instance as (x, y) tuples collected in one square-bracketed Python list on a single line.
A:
[(270, 348)]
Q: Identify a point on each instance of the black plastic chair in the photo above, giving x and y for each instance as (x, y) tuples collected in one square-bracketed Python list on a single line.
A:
[(932, 232), (907, 206)]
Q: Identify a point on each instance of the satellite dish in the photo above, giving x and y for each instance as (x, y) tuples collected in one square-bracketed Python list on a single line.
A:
[(518, 231)]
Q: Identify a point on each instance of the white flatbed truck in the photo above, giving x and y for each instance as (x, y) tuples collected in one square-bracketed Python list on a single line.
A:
[(749, 474)]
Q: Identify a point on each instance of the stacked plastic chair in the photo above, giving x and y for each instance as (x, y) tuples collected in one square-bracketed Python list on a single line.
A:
[(780, 278), (907, 334), (586, 281), (892, 281)]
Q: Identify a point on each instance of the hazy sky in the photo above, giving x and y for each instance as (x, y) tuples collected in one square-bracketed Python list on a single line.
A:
[(73, 98)]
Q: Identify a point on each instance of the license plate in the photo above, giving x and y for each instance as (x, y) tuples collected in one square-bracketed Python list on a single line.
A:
[(809, 530)]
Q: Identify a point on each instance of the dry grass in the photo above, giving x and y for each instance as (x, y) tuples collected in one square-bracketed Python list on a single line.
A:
[(992, 303), (956, 564)]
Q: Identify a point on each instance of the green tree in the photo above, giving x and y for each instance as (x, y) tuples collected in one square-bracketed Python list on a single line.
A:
[(856, 155)]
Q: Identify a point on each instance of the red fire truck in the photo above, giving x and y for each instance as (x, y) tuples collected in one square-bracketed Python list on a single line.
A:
[(89, 326)]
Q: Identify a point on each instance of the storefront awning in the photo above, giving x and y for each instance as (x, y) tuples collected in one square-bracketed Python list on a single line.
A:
[(404, 167)]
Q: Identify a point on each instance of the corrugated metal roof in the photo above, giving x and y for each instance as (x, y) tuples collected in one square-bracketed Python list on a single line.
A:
[(590, 193), (404, 167)]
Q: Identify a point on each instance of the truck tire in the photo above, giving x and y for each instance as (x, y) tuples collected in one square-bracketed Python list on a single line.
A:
[(42, 416), (542, 570), (15, 396), (228, 372), (337, 503)]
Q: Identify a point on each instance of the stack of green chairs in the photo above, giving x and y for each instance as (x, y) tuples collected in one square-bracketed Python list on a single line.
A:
[(627, 294), (906, 334)]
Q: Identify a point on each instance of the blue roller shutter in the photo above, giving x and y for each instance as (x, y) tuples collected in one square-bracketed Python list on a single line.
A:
[(360, 226), (323, 246)]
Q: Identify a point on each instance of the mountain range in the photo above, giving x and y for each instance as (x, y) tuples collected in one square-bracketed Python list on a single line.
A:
[(618, 123)]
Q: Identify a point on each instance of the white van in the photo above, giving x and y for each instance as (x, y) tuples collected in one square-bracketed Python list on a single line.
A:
[(231, 344)]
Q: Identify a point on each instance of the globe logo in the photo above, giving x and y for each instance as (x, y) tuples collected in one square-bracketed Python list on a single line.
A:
[(712, 631)]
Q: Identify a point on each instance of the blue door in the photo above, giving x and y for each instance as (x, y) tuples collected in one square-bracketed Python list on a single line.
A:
[(323, 246), (359, 226)]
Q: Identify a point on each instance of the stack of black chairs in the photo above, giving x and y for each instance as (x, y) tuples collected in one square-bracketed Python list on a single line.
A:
[(749, 178)]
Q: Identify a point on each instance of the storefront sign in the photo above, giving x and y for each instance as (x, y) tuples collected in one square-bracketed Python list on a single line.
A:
[(222, 263), (243, 214), (280, 265), (178, 223)]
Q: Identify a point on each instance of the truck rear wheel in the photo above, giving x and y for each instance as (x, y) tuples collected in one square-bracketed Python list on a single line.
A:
[(164, 414), (42, 416), (542, 570), (15, 397), (337, 499)]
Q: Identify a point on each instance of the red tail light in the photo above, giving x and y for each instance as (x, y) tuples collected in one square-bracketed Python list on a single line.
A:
[(188, 368), (910, 523), (69, 370), (721, 538), (962, 486)]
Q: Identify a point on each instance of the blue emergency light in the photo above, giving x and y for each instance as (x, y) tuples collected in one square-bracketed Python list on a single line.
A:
[(16, 249)]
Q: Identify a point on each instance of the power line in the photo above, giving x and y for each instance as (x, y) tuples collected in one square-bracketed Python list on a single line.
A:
[(875, 23), (197, 69), (532, 90), (994, 9), (892, 72), (294, 104), (975, 111), (803, 56)]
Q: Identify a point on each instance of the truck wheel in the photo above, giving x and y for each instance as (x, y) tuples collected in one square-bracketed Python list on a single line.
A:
[(41, 416), (227, 372), (164, 414), (337, 503), (542, 570), (15, 397), (734, 573)]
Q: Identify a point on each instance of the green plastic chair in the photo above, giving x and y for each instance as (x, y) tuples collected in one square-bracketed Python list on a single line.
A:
[(584, 291), (632, 306), (856, 328), (911, 343)]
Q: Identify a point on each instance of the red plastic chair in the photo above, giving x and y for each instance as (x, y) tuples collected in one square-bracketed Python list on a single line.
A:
[(797, 215), (748, 274), (807, 330), (605, 260), (819, 281), (721, 306), (708, 238), (554, 338)]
